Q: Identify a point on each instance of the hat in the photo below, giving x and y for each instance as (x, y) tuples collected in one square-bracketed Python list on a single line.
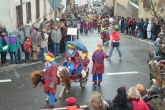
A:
[(71, 101), (140, 87), (50, 54), (71, 46), (116, 27), (99, 45)]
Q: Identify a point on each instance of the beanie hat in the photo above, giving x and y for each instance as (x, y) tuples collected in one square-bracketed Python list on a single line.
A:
[(116, 27), (71, 101), (140, 87)]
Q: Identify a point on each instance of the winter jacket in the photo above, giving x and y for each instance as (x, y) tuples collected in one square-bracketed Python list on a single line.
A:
[(27, 46), (20, 34), (73, 108), (141, 24), (14, 43), (35, 40), (115, 36), (140, 105), (56, 36), (1, 29), (2, 49), (43, 40)]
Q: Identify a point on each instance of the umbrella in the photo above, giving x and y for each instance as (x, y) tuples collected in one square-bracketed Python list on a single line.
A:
[(79, 46)]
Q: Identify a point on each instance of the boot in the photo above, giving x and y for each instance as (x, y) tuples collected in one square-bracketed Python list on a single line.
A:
[(98, 84), (95, 83)]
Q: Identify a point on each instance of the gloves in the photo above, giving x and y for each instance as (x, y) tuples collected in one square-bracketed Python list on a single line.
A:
[(72, 58), (65, 63)]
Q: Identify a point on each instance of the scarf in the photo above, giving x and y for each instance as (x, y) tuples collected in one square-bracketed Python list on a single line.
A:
[(3, 40)]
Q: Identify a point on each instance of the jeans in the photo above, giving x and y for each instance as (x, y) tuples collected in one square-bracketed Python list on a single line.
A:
[(118, 50), (27, 56), (153, 37), (11, 56), (56, 48), (43, 50), (62, 47), (19, 54), (3, 57), (122, 28)]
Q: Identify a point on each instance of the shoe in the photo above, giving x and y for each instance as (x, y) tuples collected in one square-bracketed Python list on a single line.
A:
[(95, 83), (119, 58), (98, 84)]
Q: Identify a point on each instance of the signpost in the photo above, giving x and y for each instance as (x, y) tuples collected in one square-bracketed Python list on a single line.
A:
[(54, 4)]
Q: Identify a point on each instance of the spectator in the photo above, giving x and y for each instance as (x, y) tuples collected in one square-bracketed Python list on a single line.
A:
[(4, 46), (145, 28), (43, 39), (42, 25), (27, 48), (122, 25), (121, 102), (140, 25), (63, 38), (134, 96), (133, 26), (35, 43), (56, 37), (149, 30), (14, 44), (3, 28), (20, 34), (96, 102), (72, 104), (154, 31), (34, 25)]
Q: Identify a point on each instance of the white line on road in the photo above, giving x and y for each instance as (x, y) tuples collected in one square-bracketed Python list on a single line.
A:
[(64, 108), (17, 75), (143, 40), (120, 73), (5, 80)]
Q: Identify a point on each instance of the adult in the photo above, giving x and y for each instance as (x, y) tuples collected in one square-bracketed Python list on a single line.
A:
[(154, 31), (56, 38), (121, 102), (3, 28), (43, 39), (35, 43), (96, 102), (69, 37), (149, 30), (72, 58), (42, 25), (20, 34), (122, 25), (115, 42), (140, 25), (63, 37), (14, 44), (4, 46), (134, 96), (50, 86), (34, 25), (145, 28), (98, 64)]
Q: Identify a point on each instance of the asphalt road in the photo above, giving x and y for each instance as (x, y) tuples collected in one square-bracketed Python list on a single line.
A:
[(131, 70)]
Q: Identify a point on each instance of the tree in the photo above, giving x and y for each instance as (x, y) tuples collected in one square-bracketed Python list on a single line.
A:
[(155, 8)]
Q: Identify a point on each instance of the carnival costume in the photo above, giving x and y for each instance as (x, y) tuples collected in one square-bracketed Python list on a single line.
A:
[(98, 64), (99, 25), (72, 58), (105, 36), (85, 60), (50, 78)]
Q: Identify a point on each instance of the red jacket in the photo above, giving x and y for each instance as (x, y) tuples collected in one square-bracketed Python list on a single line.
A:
[(98, 62), (115, 36), (85, 63), (50, 78), (73, 108), (139, 105), (27, 46)]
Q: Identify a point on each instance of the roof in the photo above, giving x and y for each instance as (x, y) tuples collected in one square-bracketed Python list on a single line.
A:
[(134, 5)]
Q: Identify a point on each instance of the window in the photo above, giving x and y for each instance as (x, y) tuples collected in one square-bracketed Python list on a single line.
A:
[(146, 3), (19, 15), (37, 8), (28, 12)]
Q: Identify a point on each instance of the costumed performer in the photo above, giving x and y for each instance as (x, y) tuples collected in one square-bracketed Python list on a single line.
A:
[(105, 36), (50, 78), (98, 64)]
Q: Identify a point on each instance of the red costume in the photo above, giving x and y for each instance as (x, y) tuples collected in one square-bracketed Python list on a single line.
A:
[(85, 63)]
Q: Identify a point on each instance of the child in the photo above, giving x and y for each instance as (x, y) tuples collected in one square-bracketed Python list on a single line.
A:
[(14, 44), (27, 48), (72, 104), (105, 36)]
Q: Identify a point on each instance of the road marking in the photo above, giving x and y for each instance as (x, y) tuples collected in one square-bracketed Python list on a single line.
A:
[(143, 41), (5, 80), (120, 73), (64, 108), (16, 73)]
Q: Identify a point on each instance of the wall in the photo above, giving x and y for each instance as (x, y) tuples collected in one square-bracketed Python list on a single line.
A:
[(110, 3)]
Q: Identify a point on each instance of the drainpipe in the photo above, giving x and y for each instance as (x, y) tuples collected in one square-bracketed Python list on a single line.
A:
[(22, 10)]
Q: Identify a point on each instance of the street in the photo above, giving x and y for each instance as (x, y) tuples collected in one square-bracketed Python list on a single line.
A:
[(17, 93)]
